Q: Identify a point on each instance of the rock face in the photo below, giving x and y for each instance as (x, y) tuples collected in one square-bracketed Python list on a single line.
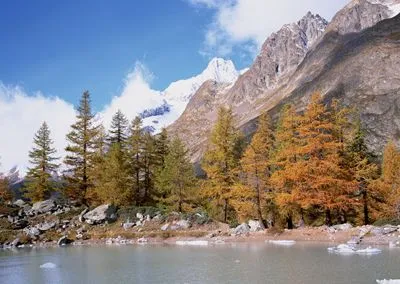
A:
[(241, 229), (43, 206), (355, 58), (101, 214)]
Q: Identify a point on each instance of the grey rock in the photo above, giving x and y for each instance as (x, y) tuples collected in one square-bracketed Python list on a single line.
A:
[(64, 241), (139, 216), (20, 203), (44, 206), (127, 226), (241, 229), (101, 214), (81, 218), (165, 227), (32, 232), (46, 226), (255, 226), (183, 224), (15, 242), (342, 227)]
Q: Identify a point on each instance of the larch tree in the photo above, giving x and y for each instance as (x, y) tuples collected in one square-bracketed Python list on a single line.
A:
[(81, 149), (255, 164), (321, 179), (118, 129), (135, 149), (221, 161), (176, 179), (149, 159), (5, 194), (39, 183), (283, 159)]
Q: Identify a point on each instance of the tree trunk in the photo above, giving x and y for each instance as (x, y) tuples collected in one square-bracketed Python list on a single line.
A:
[(366, 213), (328, 217), (258, 202), (289, 221), (226, 210)]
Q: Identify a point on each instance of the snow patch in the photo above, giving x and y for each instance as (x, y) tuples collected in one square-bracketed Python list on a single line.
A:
[(282, 242), (48, 265), (192, 243)]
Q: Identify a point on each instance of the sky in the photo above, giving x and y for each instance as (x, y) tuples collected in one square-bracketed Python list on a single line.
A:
[(123, 51)]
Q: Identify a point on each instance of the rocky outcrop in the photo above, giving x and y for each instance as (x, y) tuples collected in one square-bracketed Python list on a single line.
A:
[(356, 59), (101, 214), (43, 206)]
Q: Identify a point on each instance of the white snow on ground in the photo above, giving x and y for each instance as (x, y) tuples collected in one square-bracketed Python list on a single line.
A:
[(349, 249), (192, 243), (48, 265), (282, 242)]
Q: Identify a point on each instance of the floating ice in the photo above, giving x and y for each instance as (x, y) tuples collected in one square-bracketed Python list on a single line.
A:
[(349, 249), (48, 265), (192, 243), (283, 242), (389, 281)]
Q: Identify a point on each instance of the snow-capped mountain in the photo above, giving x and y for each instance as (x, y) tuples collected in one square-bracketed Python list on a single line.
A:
[(177, 94)]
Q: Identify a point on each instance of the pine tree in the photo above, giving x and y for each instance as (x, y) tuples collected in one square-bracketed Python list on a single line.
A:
[(176, 179), (39, 182), (221, 160), (149, 159), (118, 129), (135, 149), (81, 150), (255, 164), (161, 144), (364, 171), (284, 156), (5, 193), (114, 183), (320, 178)]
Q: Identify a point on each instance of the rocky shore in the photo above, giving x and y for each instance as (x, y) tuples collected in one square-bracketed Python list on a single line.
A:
[(52, 223)]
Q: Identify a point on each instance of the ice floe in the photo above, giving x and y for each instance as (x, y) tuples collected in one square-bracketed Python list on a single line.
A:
[(282, 242), (48, 265), (388, 281), (349, 249), (192, 243)]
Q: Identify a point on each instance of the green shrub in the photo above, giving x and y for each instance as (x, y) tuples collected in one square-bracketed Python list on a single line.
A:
[(385, 221)]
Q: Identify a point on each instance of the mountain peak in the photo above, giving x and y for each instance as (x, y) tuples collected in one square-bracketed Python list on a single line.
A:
[(221, 70)]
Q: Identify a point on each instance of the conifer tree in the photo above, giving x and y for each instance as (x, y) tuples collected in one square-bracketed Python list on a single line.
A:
[(161, 147), (364, 171), (221, 160), (319, 176), (114, 183), (149, 160), (176, 179), (135, 149), (81, 150), (255, 164), (118, 129), (5, 194), (284, 156), (38, 179)]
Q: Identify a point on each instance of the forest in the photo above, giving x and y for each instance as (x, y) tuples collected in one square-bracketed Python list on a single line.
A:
[(308, 168)]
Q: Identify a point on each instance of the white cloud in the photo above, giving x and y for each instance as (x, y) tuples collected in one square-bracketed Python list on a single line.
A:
[(136, 96), (21, 116), (250, 22)]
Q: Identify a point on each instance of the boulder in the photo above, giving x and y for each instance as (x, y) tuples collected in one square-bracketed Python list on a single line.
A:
[(342, 227), (255, 226), (183, 224), (20, 224), (46, 226), (387, 229), (241, 229), (15, 243), (139, 216), (81, 218), (101, 214), (44, 206), (128, 225), (64, 241), (32, 232), (20, 203), (165, 227)]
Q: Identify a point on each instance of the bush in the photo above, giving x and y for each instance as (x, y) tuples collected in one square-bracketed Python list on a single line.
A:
[(386, 221)]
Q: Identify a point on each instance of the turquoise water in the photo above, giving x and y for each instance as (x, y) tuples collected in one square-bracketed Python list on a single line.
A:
[(230, 263)]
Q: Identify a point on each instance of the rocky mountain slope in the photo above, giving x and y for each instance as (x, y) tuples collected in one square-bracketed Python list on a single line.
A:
[(355, 58)]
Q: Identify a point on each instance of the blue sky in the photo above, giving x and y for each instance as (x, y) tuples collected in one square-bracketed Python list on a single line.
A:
[(64, 47)]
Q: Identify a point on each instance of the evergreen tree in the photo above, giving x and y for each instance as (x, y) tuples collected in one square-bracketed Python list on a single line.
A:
[(364, 171), (38, 178), (114, 183), (118, 129), (81, 150), (176, 179), (5, 194), (285, 155), (150, 162), (135, 146), (161, 144), (319, 176), (256, 164), (221, 160)]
